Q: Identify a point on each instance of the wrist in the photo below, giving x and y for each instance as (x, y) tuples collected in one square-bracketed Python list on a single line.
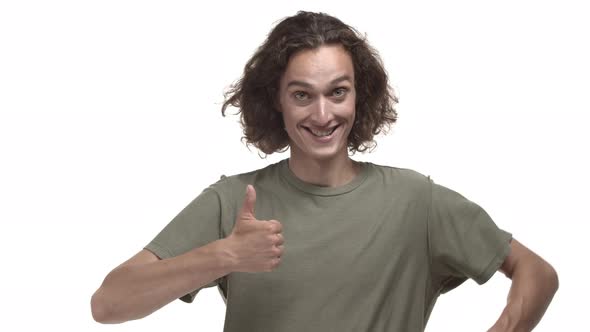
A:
[(510, 319), (221, 249)]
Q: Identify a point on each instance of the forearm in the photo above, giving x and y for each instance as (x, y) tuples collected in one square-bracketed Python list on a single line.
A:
[(532, 289), (135, 291)]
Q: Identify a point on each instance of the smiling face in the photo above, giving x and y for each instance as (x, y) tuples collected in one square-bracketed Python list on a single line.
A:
[(317, 93)]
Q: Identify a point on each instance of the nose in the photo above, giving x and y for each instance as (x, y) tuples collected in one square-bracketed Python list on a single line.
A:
[(322, 112)]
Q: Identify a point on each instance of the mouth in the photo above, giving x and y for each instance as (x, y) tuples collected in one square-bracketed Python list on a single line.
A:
[(323, 137)]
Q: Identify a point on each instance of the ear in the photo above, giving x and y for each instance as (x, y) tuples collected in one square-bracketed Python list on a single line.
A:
[(277, 104), (276, 93)]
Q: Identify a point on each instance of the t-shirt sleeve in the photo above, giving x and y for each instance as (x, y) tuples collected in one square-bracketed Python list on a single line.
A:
[(196, 225), (464, 242)]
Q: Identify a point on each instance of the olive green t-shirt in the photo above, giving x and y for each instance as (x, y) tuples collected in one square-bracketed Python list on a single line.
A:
[(371, 255)]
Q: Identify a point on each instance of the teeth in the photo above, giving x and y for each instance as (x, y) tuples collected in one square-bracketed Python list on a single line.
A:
[(322, 133)]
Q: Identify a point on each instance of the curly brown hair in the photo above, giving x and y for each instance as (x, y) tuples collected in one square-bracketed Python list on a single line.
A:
[(256, 92)]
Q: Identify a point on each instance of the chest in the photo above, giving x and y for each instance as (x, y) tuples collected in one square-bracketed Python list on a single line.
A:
[(337, 244)]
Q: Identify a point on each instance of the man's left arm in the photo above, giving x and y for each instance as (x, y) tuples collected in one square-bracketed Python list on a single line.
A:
[(534, 282)]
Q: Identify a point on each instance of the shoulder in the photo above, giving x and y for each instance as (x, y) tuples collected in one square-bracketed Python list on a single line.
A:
[(249, 177), (233, 186), (398, 174), (408, 181)]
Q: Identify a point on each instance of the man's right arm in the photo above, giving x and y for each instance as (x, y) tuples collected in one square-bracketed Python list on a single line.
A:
[(144, 283)]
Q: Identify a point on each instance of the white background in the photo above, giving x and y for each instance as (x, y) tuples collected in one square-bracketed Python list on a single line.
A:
[(110, 124)]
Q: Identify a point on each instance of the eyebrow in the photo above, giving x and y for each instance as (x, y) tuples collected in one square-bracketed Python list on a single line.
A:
[(307, 85)]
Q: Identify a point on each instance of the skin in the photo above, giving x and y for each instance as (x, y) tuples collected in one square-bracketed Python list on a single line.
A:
[(317, 91), (320, 104), (309, 97), (534, 283)]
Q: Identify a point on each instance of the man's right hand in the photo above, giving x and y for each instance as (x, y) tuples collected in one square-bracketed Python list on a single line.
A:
[(256, 245)]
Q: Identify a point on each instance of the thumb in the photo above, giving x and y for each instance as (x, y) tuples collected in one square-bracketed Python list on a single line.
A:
[(248, 203)]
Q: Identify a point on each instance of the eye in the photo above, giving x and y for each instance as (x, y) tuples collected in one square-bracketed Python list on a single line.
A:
[(341, 91), (300, 95)]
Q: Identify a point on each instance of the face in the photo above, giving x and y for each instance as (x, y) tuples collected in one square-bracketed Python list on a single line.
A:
[(317, 93)]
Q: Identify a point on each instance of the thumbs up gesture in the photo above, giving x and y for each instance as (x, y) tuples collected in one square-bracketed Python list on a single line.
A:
[(256, 245)]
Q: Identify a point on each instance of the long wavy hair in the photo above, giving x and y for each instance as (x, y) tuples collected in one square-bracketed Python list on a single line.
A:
[(256, 92)]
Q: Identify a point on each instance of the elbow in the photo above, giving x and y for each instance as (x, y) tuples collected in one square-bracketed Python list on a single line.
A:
[(551, 279), (97, 308), (100, 312), (554, 278)]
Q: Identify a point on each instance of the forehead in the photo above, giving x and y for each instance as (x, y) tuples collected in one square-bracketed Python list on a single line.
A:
[(319, 66)]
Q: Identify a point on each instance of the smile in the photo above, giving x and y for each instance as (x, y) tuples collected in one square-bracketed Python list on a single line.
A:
[(318, 136)]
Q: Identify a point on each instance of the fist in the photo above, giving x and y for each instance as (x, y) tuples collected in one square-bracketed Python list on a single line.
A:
[(255, 245)]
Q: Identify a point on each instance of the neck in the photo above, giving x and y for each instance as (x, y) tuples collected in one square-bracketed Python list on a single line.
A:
[(325, 173)]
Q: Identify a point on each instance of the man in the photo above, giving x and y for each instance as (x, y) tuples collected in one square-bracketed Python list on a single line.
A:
[(369, 247)]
